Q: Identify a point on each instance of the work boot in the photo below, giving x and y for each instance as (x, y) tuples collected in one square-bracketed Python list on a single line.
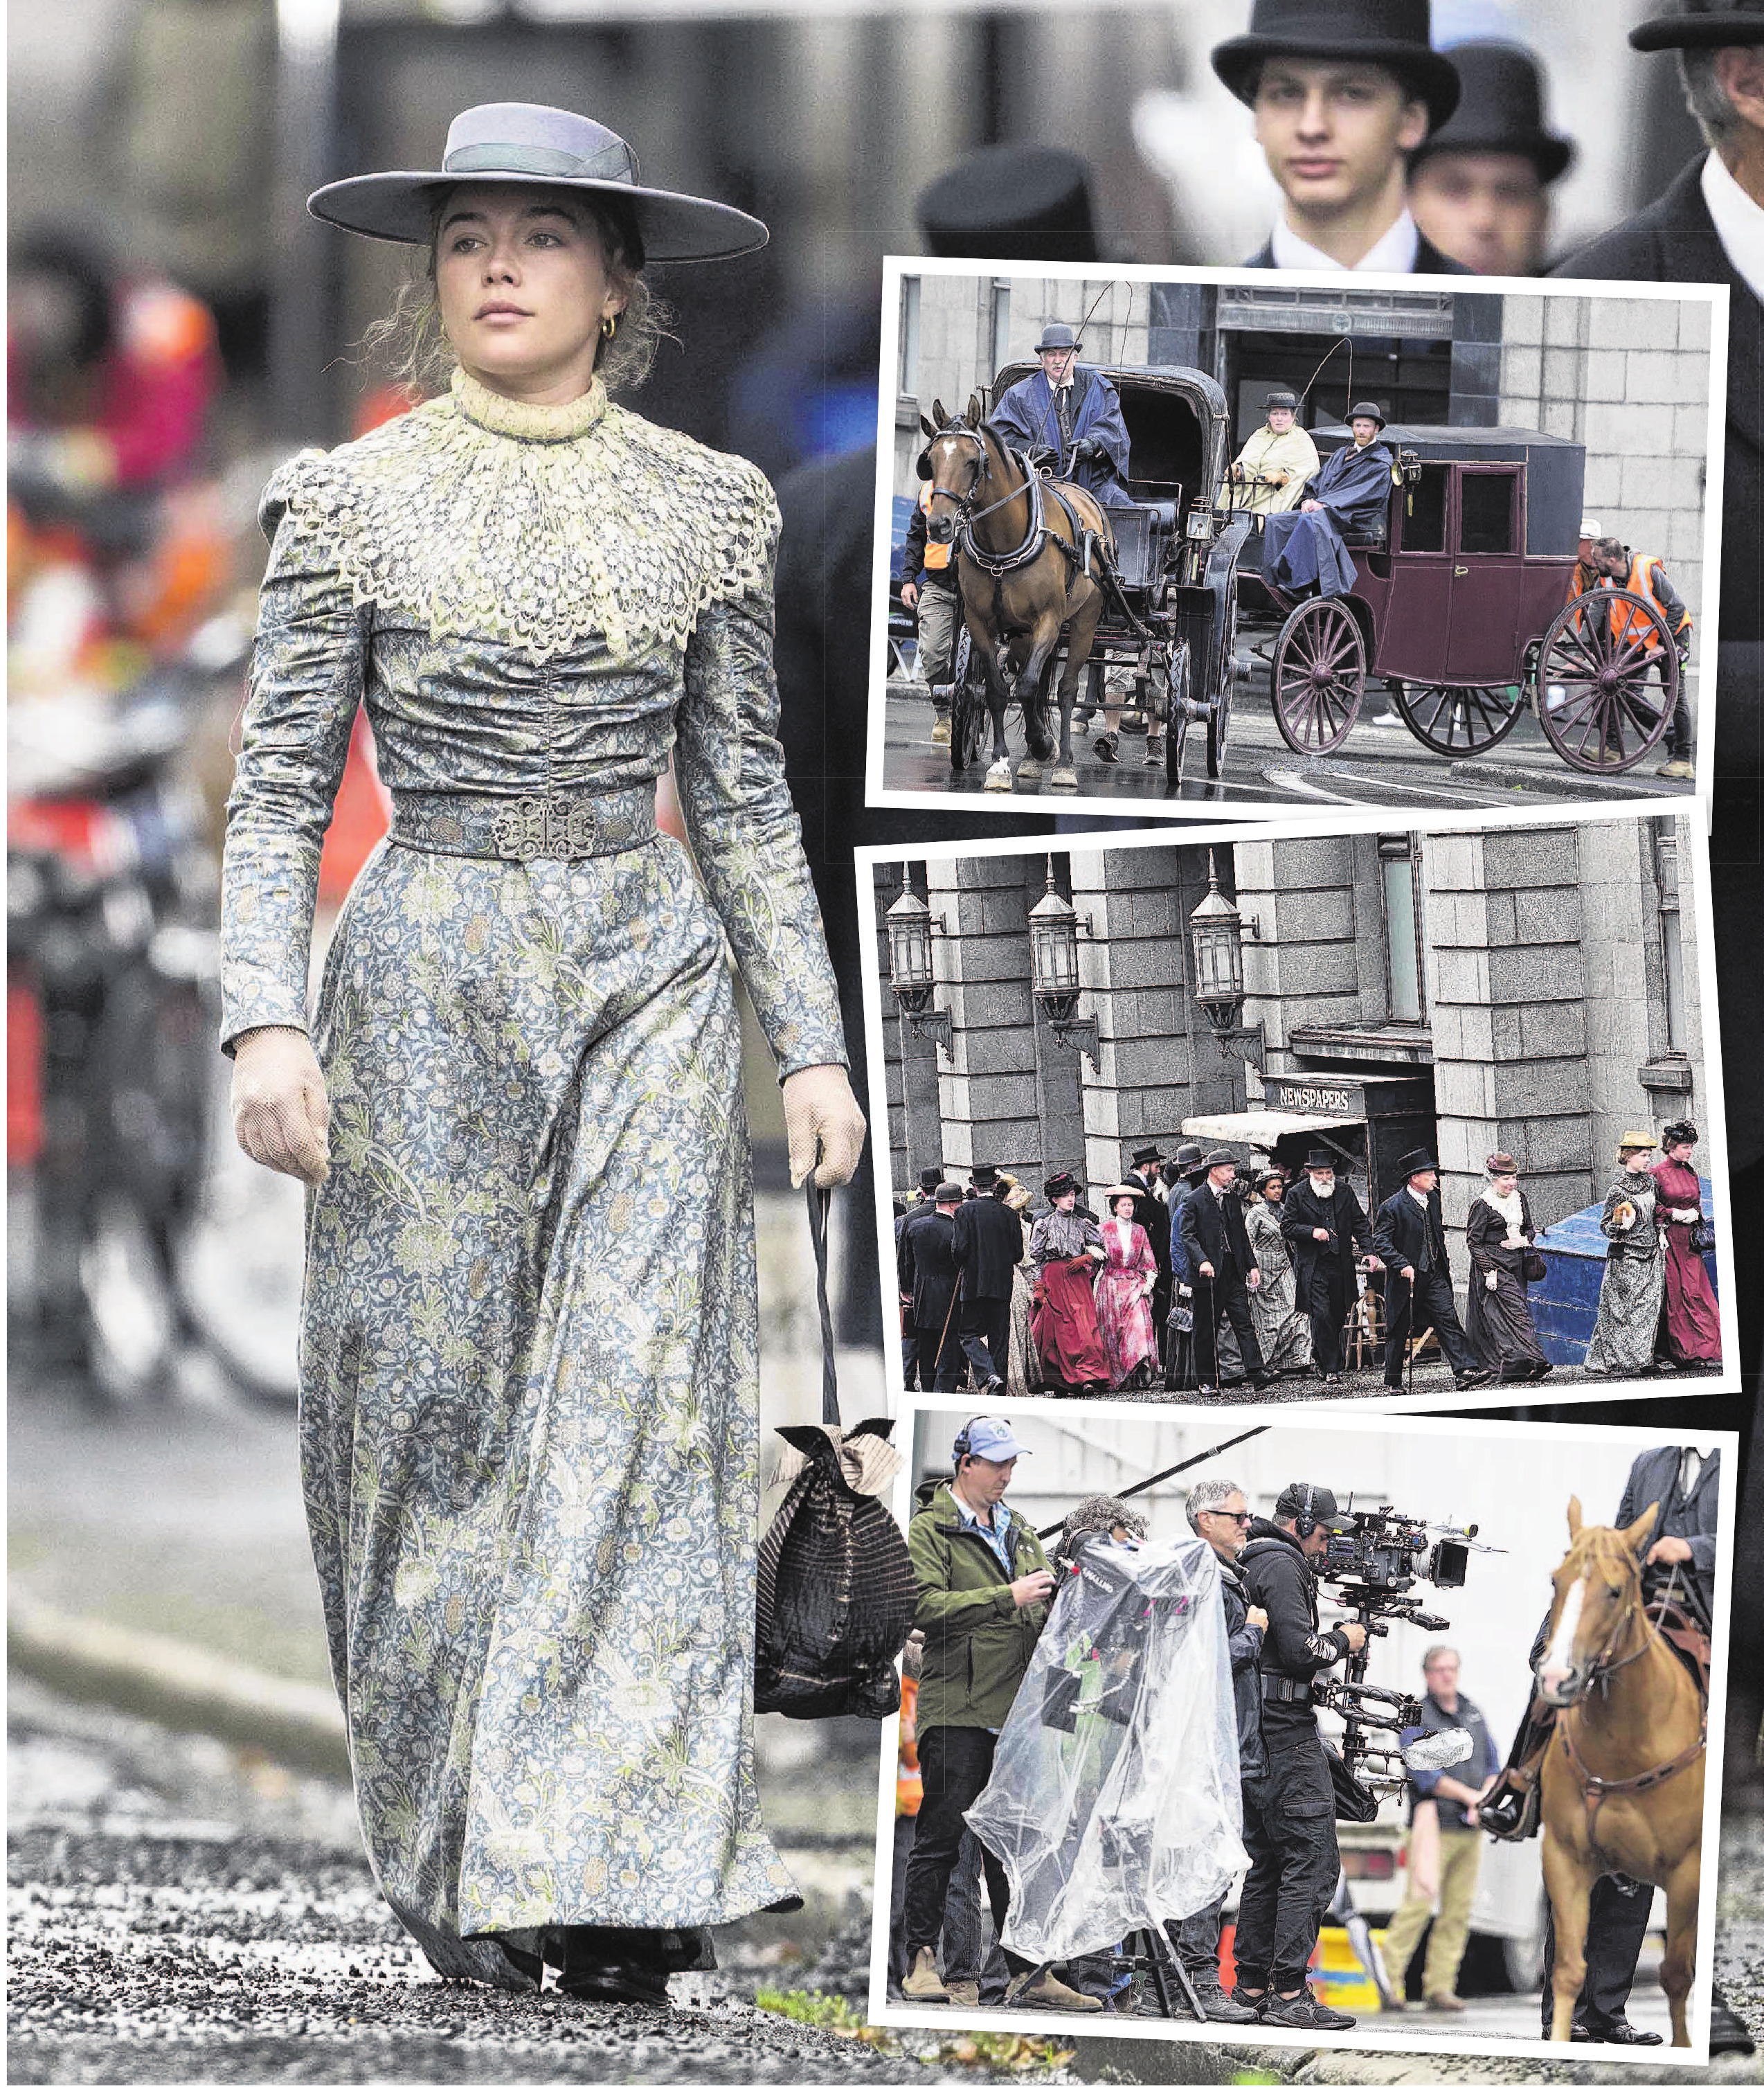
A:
[(922, 1982), (963, 1992), (1677, 769), (1041, 1989), (940, 729)]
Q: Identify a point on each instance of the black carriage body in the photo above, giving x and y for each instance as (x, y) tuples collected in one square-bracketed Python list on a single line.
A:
[(1476, 555)]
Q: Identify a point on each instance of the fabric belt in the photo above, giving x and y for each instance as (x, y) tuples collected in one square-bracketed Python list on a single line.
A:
[(1282, 1688), (554, 828)]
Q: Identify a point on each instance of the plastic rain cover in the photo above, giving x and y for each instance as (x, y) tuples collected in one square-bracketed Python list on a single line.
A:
[(1114, 1801)]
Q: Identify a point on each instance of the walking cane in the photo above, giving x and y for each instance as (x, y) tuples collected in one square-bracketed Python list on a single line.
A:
[(954, 1296)]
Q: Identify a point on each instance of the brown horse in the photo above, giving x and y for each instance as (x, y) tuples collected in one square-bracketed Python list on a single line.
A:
[(1622, 1778), (1027, 557)]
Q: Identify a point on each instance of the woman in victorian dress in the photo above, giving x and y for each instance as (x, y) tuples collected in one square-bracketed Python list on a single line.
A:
[(1691, 1334), (1066, 1248), (529, 1372), (1282, 1331), (1124, 1286), (1634, 1285), (1499, 1235)]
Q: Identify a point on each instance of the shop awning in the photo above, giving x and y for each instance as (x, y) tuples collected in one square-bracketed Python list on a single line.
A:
[(1264, 1127)]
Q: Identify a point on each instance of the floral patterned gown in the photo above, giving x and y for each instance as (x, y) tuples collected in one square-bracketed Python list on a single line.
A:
[(1634, 1283), (529, 1409), (1123, 1307)]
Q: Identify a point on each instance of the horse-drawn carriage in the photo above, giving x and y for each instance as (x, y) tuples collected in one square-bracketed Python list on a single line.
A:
[(1461, 603)]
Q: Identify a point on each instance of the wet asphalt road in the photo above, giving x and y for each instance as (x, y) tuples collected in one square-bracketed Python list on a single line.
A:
[(1377, 764)]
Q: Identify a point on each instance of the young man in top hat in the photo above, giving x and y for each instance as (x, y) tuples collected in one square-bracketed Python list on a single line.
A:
[(1276, 463), (1217, 1245), (1322, 1224), (1071, 409), (1479, 184), (1410, 1239), (1303, 548), (989, 1244), (1343, 91)]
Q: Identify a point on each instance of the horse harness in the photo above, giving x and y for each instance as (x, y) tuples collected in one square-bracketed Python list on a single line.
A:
[(1037, 536)]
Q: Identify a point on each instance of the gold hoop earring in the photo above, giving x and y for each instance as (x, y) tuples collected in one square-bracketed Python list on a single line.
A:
[(608, 327)]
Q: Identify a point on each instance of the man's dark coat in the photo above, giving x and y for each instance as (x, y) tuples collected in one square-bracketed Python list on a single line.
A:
[(988, 1246), (1298, 549), (1152, 1214), (1654, 1477), (927, 1270), (1026, 412), (1405, 1233), (1429, 260), (1302, 1210), (1210, 1224)]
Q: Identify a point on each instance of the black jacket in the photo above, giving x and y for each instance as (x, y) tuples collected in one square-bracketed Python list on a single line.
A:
[(988, 1244), (1654, 1478), (1153, 1214), (1429, 260), (1277, 1578), (1245, 1639), (913, 564), (1213, 1224), (1302, 1210), (1404, 1230), (927, 1269)]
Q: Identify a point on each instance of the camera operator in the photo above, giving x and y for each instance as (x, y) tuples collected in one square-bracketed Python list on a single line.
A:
[(1289, 1814), (1218, 1514)]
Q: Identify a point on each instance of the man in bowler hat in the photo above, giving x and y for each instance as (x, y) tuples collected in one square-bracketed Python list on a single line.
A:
[(1304, 548), (988, 1246), (1342, 92), (1410, 1239), (1322, 1223), (1070, 408), (1479, 186), (929, 1278), (1218, 1247)]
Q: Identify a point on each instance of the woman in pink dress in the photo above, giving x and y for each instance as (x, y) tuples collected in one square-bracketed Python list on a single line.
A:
[(1690, 1330), (1124, 1286)]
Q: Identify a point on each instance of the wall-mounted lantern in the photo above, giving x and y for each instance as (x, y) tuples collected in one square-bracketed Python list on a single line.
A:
[(1054, 927), (911, 925), (1218, 929)]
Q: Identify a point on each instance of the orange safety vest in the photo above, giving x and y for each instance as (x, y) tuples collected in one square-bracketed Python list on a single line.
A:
[(936, 555), (908, 1784), (1639, 579)]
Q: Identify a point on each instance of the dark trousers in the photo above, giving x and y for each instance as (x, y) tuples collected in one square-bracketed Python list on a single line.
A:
[(1431, 1304), (909, 1352), (1289, 1831), (1197, 1942), (985, 1335), (955, 1763), (1225, 1295), (1322, 1284), (966, 1954), (941, 1365), (1616, 1926)]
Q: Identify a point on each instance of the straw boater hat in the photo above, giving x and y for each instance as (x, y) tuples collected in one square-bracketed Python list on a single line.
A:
[(529, 145), (1637, 1140)]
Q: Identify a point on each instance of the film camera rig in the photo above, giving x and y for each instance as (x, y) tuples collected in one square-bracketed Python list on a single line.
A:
[(1370, 1569)]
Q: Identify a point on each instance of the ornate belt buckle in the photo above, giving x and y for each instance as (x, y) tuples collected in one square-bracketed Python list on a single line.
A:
[(521, 831)]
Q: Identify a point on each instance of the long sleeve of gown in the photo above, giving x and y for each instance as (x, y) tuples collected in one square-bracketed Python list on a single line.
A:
[(306, 685), (744, 831)]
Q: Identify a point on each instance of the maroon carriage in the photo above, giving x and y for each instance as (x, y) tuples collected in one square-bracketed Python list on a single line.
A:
[(1462, 606)]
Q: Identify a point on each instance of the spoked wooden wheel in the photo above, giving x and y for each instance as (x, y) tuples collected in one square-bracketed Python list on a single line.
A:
[(1176, 716), (1606, 680), (967, 706), (1319, 675), (1457, 721)]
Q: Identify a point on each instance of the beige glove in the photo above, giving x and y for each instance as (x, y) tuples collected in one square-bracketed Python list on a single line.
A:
[(822, 1120), (279, 1112), (1491, 1280)]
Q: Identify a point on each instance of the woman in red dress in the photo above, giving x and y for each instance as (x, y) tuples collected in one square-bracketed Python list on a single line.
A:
[(1690, 1330), (1123, 1290), (1067, 1247)]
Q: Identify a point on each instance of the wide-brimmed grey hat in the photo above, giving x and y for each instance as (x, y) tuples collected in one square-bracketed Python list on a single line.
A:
[(529, 144)]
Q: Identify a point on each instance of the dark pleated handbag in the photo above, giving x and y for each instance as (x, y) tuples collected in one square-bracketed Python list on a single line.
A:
[(836, 1587)]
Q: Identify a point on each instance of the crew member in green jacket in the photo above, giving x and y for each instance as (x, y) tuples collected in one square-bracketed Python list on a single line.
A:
[(984, 1589)]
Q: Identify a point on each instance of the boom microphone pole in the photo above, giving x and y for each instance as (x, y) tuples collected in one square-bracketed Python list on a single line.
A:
[(1188, 1464)]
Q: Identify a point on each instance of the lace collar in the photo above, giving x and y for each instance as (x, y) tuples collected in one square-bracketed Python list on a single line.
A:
[(524, 422)]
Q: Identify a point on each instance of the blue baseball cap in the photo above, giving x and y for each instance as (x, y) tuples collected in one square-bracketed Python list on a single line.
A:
[(989, 1439)]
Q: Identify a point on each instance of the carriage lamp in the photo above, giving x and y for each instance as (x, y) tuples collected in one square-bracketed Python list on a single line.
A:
[(1054, 928), (1218, 930), (910, 926)]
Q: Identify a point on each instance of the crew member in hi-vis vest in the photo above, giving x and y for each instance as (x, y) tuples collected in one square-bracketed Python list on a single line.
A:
[(929, 587)]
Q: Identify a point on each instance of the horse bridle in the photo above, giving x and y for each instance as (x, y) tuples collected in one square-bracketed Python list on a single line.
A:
[(1600, 1668), (965, 515)]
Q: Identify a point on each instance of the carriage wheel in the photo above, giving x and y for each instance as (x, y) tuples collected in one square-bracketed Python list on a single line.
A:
[(1223, 680), (1176, 718), (967, 706), (1455, 721), (1614, 711), (1319, 675)]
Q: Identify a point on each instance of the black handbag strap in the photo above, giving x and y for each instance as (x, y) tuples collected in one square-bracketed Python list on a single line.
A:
[(820, 1204)]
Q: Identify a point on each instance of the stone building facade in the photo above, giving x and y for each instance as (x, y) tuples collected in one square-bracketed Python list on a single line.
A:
[(1532, 988)]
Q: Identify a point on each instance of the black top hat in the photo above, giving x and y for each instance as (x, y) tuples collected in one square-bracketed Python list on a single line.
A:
[(1501, 109), (1148, 1155), (1275, 399), (1030, 203), (1057, 1184), (1364, 411), (1698, 26), (984, 1177), (1420, 1161), (1318, 1158), (1395, 33), (929, 1177)]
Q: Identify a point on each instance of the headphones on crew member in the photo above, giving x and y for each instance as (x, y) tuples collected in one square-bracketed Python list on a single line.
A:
[(1305, 1523), (960, 1446)]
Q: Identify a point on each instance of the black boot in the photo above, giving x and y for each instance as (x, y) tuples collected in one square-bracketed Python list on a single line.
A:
[(617, 1964), (1510, 1810)]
